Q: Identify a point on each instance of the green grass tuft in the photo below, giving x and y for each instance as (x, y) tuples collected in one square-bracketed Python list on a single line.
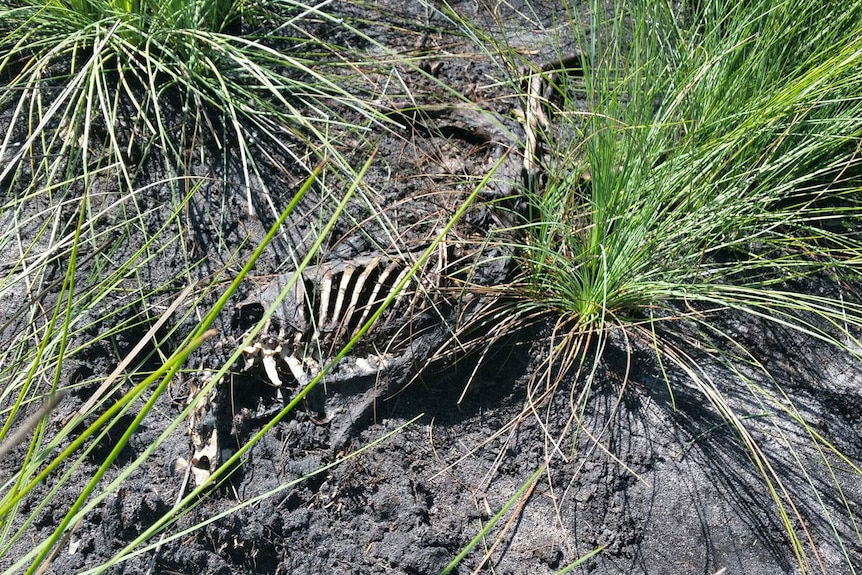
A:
[(701, 161)]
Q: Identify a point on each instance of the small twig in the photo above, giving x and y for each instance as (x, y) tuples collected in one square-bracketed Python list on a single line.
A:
[(534, 118), (30, 424), (538, 88)]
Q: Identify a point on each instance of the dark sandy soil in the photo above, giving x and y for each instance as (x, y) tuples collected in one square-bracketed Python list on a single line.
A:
[(664, 487)]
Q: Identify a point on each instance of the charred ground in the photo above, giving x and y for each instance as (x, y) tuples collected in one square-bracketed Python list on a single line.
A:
[(661, 485)]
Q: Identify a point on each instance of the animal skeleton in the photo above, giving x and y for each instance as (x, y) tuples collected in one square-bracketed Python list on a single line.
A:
[(327, 306)]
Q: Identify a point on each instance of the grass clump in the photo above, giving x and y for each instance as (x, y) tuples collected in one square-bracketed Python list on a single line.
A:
[(699, 170), (95, 87), (704, 160)]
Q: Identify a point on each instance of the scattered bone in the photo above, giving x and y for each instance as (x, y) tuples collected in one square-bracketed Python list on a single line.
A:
[(204, 435)]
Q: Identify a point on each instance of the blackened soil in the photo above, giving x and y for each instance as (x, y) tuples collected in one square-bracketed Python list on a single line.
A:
[(658, 482)]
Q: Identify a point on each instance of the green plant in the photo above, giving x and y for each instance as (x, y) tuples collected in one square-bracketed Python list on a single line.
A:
[(702, 164), (49, 448), (95, 88), (120, 120)]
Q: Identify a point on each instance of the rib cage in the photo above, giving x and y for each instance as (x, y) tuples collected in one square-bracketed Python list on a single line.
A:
[(331, 302), (343, 296)]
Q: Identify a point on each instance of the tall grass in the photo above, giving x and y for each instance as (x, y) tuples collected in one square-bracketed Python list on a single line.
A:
[(701, 163), (130, 128), (103, 85), (59, 457)]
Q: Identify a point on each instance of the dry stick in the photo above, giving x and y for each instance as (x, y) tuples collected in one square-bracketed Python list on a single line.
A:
[(61, 544), (538, 85), (30, 424), (534, 117), (137, 349)]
